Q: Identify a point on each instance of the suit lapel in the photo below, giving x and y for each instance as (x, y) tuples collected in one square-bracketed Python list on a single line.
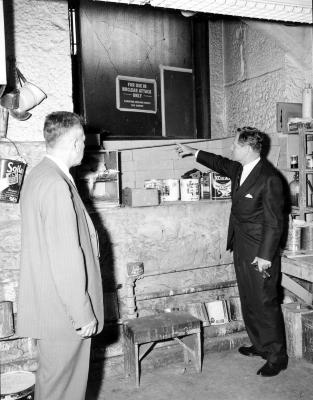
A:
[(250, 181)]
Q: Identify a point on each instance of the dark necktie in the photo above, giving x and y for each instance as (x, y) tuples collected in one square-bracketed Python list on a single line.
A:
[(237, 181)]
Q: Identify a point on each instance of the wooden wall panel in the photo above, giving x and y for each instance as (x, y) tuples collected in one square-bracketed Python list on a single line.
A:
[(132, 41)]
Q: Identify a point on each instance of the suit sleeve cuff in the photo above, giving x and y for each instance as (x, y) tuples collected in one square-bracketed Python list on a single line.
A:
[(196, 154)]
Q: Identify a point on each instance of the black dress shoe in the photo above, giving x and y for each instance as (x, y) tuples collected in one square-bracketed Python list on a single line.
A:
[(251, 351), (270, 369)]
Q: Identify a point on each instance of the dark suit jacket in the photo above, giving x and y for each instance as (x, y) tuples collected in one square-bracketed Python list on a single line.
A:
[(60, 286), (257, 206)]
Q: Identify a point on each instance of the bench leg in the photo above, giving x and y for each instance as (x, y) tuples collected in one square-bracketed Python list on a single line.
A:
[(131, 360), (129, 356), (198, 352), (192, 350), (137, 365)]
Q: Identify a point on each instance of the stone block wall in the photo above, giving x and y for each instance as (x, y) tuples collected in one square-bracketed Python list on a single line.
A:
[(265, 63), (37, 37)]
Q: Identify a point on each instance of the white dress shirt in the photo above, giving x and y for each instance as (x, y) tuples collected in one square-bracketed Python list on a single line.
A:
[(247, 169)]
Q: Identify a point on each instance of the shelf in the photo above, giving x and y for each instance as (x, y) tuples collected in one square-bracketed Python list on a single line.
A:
[(307, 209), (290, 169), (307, 170)]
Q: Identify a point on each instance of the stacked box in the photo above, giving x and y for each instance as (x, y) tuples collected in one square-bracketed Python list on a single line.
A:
[(307, 336), (293, 313)]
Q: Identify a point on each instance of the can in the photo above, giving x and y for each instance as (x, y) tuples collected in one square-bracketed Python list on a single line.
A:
[(11, 179), (206, 185), (17, 385), (295, 228), (293, 161), (220, 186), (190, 189), (153, 184), (309, 161), (170, 190)]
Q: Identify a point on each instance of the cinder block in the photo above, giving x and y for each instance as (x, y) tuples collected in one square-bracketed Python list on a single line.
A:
[(128, 166), (126, 155), (153, 164)]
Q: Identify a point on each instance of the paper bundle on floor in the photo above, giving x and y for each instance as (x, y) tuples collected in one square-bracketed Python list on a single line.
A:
[(234, 306), (217, 311)]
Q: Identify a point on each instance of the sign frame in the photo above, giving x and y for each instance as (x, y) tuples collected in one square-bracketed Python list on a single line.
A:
[(137, 81), (163, 69)]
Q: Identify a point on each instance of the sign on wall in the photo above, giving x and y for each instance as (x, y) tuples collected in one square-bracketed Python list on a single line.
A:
[(136, 94)]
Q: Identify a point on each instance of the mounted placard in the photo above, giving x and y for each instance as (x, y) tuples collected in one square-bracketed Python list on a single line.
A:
[(136, 94)]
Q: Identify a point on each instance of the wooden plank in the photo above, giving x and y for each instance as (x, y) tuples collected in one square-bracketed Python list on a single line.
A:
[(295, 288), (300, 268)]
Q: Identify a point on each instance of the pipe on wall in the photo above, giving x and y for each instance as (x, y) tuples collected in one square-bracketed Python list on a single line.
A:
[(193, 289)]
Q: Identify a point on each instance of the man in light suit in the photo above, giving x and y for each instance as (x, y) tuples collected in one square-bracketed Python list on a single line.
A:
[(60, 299), (254, 235)]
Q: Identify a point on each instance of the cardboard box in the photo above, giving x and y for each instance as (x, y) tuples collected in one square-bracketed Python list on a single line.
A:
[(140, 197)]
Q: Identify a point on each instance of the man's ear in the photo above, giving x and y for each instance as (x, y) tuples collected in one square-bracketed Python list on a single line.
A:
[(77, 145)]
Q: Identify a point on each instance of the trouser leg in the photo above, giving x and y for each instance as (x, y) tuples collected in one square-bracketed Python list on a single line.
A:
[(261, 308), (63, 369)]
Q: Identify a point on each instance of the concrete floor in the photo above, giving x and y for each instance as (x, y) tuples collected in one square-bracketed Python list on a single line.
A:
[(225, 376)]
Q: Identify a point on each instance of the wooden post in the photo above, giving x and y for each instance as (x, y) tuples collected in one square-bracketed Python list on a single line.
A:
[(292, 313), (6, 319)]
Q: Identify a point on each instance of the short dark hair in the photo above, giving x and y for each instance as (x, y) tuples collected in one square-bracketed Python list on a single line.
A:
[(57, 124), (251, 136)]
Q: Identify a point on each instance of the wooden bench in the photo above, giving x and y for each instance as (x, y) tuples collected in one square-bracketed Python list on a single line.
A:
[(141, 334)]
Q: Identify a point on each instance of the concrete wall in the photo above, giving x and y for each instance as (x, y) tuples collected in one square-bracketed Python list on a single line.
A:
[(37, 36), (254, 65)]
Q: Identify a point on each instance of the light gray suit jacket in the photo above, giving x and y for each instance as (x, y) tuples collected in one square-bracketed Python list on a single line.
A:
[(60, 287)]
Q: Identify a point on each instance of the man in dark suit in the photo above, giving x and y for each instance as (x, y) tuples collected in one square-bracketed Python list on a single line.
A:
[(60, 300), (255, 231)]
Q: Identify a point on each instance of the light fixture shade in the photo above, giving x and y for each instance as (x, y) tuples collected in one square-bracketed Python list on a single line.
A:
[(30, 97)]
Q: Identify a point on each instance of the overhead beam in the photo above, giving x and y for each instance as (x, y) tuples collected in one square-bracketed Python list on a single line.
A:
[(276, 10)]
